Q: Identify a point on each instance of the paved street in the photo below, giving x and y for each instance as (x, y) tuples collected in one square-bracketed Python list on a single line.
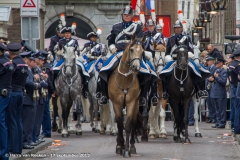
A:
[(213, 146)]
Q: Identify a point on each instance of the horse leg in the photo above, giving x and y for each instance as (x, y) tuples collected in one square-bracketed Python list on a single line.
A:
[(65, 113), (113, 131), (185, 120), (151, 119), (102, 125), (95, 110), (60, 122), (91, 113), (133, 131), (78, 126), (163, 132), (55, 110), (196, 105), (120, 139), (144, 137), (70, 127)]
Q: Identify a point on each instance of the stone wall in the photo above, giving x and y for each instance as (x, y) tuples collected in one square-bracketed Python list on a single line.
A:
[(14, 31)]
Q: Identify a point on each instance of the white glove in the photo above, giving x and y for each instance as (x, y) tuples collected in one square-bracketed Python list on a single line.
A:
[(89, 55), (59, 53), (112, 48)]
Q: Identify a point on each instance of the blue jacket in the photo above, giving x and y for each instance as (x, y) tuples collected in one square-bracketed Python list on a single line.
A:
[(219, 85), (212, 70)]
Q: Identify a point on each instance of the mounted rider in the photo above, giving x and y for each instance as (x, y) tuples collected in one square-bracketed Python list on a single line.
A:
[(68, 41), (118, 39), (172, 44)]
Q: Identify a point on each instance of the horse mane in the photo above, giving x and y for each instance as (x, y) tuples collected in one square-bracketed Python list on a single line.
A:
[(132, 43)]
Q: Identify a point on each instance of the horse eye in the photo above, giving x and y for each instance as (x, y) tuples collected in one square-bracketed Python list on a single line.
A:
[(131, 50)]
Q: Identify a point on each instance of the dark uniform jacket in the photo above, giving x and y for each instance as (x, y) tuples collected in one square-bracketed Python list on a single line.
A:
[(212, 70), (6, 72), (172, 42), (53, 42), (219, 85), (20, 74), (125, 38), (97, 50), (152, 37), (68, 42), (233, 72), (214, 53), (48, 69)]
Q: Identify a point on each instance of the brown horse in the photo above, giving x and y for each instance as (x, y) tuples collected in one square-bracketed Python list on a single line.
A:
[(124, 89)]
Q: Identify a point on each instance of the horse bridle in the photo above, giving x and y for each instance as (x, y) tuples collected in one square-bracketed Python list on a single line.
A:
[(158, 61)]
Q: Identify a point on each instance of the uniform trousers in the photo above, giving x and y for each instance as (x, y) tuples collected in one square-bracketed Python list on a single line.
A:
[(232, 104), (4, 104), (46, 121), (237, 116), (220, 105), (191, 113), (211, 108), (28, 120), (38, 121), (15, 128)]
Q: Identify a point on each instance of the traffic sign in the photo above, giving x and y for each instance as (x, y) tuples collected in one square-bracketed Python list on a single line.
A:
[(30, 29), (29, 8)]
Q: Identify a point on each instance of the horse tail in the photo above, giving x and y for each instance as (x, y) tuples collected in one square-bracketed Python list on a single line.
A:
[(86, 106)]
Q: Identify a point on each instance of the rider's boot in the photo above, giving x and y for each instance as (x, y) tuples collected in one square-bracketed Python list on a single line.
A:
[(143, 95), (99, 88), (104, 98), (155, 94)]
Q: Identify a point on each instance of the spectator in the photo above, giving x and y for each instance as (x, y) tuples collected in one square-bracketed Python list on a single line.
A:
[(213, 52)]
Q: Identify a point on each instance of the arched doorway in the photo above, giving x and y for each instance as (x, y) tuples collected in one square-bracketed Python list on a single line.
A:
[(82, 27)]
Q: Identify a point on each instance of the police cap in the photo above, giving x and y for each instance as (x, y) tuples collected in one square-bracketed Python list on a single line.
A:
[(27, 48), (219, 58), (28, 55), (2, 47), (209, 58), (236, 52), (127, 10), (14, 46)]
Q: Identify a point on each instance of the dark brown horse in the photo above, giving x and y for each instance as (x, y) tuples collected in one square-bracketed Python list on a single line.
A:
[(181, 90), (124, 89)]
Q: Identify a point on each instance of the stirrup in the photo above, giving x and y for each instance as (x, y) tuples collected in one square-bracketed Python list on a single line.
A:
[(200, 94), (154, 100), (103, 100), (85, 95), (142, 101), (165, 95), (205, 93), (98, 95)]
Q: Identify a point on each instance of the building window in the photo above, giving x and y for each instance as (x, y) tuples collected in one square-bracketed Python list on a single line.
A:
[(188, 11)]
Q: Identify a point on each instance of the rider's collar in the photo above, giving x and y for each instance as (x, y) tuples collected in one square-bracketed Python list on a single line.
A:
[(178, 36), (152, 33), (126, 24), (94, 43), (68, 39)]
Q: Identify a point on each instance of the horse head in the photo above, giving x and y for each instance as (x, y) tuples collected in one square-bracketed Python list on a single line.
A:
[(182, 57), (69, 61), (135, 51)]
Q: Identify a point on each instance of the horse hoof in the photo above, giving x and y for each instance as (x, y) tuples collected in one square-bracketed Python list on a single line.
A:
[(133, 150), (71, 132), (102, 132), (198, 135), (93, 129), (97, 131), (144, 138), (136, 140), (152, 136), (126, 154), (114, 134), (54, 128), (177, 139), (187, 141), (59, 130), (65, 135), (164, 136), (78, 133)]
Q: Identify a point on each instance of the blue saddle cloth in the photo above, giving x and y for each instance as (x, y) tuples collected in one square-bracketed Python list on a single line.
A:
[(59, 65), (199, 73), (95, 63)]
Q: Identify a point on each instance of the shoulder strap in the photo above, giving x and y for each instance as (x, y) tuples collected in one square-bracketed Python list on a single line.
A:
[(127, 31)]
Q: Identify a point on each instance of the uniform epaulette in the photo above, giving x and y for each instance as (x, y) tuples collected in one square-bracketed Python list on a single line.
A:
[(116, 23)]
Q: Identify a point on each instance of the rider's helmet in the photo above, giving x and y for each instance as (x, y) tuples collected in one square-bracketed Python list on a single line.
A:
[(150, 22), (127, 10), (177, 24)]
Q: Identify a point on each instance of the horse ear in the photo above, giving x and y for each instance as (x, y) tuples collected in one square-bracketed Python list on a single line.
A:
[(133, 37)]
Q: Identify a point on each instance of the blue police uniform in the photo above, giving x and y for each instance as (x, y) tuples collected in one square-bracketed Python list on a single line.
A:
[(219, 95), (211, 108), (191, 119), (29, 105), (6, 71), (46, 121), (20, 74), (235, 65), (53, 41)]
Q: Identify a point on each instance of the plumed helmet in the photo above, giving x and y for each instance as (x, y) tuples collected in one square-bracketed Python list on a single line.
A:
[(177, 24), (158, 26), (150, 22), (92, 34), (127, 10), (68, 29), (59, 27)]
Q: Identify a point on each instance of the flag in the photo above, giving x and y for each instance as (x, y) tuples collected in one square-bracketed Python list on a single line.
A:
[(148, 4), (134, 3)]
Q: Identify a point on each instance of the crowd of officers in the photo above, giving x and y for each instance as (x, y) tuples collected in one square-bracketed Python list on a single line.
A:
[(25, 90), (223, 72)]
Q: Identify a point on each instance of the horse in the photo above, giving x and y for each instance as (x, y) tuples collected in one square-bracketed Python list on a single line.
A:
[(106, 111), (155, 111), (181, 89), (68, 89), (124, 90)]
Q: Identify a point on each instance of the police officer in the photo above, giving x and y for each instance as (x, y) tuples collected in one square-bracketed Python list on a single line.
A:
[(46, 122), (152, 37), (159, 29), (29, 101), (69, 41), (20, 74), (117, 41), (6, 72), (55, 39), (211, 108), (234, 70), (94, 48), (40, 102), (218, 92)]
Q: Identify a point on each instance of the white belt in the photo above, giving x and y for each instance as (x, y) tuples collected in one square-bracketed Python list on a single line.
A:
[(174, 55), (123, 41)]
